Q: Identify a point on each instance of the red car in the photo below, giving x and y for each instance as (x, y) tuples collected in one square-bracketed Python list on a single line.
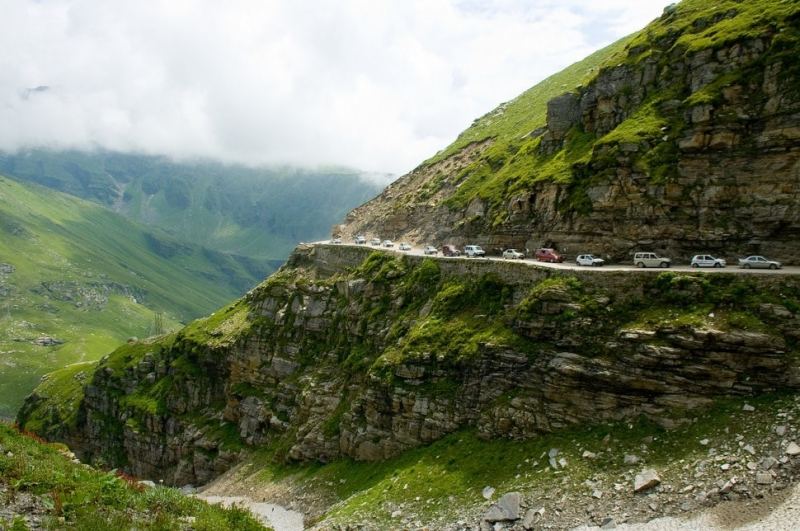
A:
[(450, 250), (548, 255)]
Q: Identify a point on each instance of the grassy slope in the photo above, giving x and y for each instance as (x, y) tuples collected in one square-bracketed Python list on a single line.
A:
[(528, 111), (39, 481), (256, 212), (512, 163), (53, 237)]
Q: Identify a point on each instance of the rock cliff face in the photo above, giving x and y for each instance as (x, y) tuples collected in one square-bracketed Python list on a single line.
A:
[(343, 353), (688, 142)]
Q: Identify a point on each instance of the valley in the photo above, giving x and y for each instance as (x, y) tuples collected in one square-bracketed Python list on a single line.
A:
[(369, 386)]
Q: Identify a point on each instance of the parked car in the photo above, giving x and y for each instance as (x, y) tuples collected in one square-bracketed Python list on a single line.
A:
[(650, 260), (450, 250), (404, 246), (513, 254), (336, 241), (388, 243), (375, 241), (546, 254), (473, 251), (706, 260), (360, 240), (589, 260), (430, 249), (758, 262)]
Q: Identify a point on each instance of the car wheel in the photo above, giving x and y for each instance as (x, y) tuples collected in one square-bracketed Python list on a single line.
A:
[(717, 264), (773, 266), (640, 265), (664, 265), (693, 265), (746, 266)]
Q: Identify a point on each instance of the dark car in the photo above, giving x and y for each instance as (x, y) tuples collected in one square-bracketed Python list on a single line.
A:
[(450, 250), (545, 254)]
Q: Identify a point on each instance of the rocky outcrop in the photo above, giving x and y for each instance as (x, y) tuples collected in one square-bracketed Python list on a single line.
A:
[(327, 360), (676, 150)]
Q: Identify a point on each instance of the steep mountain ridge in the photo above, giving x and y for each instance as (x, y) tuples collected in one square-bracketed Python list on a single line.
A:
[(349, 354), (684, 139)]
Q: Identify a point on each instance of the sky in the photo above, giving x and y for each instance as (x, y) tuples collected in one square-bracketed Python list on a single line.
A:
[(377, 85)]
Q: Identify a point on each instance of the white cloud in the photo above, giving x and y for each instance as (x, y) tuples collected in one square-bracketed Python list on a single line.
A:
[(378, 85)]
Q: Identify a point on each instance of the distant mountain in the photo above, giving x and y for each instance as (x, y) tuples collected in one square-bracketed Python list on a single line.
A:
[(77, 279), (256, 212)]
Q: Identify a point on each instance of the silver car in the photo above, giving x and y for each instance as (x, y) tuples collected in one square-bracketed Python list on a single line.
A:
[(430, 249), (404, 247), (758, 262), (706, 260), (388, 243), (513, 254)]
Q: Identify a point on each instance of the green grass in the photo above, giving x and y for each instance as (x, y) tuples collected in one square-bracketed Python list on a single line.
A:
[(75, 496), (75, 247), (528, 111)]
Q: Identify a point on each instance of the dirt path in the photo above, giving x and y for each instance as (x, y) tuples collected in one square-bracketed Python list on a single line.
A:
[(275, 516)]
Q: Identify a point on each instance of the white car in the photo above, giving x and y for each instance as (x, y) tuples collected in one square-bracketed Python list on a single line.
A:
[(513, 254), (360, 240), (706, 260), (430, 249), (474, 251), (758, 262), (589, 260), (404, 247), (336, 241), (375, 241), (650, 260), (388, 243)]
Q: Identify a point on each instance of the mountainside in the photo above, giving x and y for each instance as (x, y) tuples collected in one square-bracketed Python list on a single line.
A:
[(76, 280), (260, 213), (683, 138), (345, 354)]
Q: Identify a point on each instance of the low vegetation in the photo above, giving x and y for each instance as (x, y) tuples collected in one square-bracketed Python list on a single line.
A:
[(42, 487)]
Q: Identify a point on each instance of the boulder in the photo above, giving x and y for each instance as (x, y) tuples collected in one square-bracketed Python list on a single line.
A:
[(646, 480), (506, 508)]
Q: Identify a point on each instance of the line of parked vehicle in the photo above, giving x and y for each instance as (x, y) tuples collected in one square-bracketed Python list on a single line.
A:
[(550, 255)]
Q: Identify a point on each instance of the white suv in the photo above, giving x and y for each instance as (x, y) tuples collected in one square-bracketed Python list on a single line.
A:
[(472, 251), (650, 260), (705, 260)]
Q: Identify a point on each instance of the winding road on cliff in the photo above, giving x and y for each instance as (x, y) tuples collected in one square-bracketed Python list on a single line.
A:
[(571, 266)]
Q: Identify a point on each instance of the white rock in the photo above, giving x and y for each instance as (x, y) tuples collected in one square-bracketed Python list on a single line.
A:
[(630, 459), (645, 480), (748, 407), (704, 442), (749, 449), (780, 430), (588, 455), (553, 452), (397, 514), (792, 449), (597, 494), (487, 492), (725, 466), (562, 462), (506, 508)]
